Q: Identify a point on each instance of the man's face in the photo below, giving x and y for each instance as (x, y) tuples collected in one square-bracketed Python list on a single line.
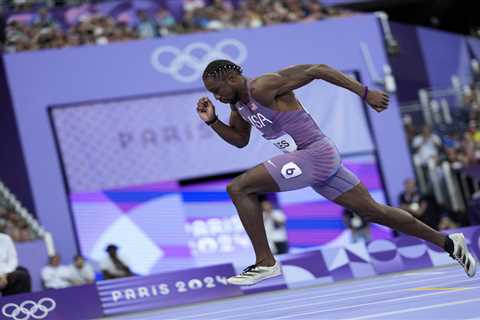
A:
[(221, 89), (426, 131), (55, 261), (79, 262), (410, 185)]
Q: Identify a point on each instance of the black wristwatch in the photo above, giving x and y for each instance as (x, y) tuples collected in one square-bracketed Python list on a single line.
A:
[(210, 122)]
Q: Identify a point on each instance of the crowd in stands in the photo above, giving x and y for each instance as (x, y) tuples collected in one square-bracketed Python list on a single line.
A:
[(457, 144), (44, 31)]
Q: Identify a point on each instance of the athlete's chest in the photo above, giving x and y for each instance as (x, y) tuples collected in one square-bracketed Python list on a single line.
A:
[(256, 116)]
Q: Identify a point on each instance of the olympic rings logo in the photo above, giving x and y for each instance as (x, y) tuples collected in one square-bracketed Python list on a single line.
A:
[(188, 64), (29, 309)]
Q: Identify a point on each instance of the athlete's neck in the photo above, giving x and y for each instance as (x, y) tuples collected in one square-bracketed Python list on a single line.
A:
[(243, 92)]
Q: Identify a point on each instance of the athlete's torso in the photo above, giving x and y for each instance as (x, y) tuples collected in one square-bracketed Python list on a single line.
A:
[(281, 127)]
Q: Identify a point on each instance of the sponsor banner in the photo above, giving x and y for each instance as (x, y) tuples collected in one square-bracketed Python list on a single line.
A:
[(53, 304), (167, 289)]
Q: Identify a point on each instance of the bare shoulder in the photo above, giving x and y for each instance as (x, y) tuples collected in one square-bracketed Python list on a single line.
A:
[(264, 88)]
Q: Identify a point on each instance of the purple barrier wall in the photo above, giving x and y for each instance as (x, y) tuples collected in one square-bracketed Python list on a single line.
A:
[(408, 64), (13, 172), (41, 79), (33, 256), (312, 267), (76, 303), (444, 54)]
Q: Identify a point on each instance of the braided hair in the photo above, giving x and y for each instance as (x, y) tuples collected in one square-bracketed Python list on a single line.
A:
[(218, 68)]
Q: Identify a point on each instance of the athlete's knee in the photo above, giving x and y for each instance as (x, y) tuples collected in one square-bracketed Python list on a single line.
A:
[(236, 187)]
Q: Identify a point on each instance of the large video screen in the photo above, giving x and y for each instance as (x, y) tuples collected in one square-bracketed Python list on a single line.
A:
[(146, 174)]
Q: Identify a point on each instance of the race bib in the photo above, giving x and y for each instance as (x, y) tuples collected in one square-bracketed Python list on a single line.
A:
[(285, 143)]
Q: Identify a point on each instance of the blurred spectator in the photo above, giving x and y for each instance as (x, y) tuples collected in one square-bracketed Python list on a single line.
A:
[(166, 22), (81, 272), (147, 27), (423, 207), (358, 226), (13, 278), (44, 19), (54, 275), (16, 227), (93, 28), (447, 223), (426, 145), (113, 265), (275, 220), (192, 5), (314, 11)]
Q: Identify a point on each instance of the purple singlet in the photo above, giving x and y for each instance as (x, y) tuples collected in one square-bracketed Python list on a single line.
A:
[(310, 158)]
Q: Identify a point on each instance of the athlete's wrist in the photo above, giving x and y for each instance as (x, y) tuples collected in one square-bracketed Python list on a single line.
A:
[(210, 122), (365, 93)]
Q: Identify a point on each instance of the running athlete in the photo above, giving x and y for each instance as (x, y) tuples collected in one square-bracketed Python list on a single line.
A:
[(310, 159)]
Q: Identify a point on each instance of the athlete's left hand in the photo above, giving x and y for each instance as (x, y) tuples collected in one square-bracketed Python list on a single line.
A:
[(378, 100)]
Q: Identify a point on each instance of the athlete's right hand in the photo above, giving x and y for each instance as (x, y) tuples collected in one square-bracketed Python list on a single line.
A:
[(205, 109)]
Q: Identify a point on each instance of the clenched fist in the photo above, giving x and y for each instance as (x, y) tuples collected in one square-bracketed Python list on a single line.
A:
[(378, 100), (206, 109)]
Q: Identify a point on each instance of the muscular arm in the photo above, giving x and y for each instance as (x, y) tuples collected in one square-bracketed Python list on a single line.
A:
[(237, 132), (269, 86), (294, 77)]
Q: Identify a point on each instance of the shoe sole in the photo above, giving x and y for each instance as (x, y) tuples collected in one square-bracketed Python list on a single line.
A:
[(252, 283), (474, 261)]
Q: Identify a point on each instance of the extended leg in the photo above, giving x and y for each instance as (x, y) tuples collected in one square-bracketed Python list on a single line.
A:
[(359, 200)]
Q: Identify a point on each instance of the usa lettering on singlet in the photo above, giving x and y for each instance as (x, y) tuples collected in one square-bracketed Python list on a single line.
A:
[(258, 120)]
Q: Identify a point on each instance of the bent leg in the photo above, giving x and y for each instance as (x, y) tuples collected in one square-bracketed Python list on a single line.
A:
[(243, 191)]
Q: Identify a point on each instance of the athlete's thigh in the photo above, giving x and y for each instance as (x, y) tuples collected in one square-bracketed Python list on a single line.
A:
[(256, 180), (292, 171)]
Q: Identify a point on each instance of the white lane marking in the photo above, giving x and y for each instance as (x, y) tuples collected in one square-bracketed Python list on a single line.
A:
[(433, 306), (282, 295), (282, 301), (405, 290), (371, 303)]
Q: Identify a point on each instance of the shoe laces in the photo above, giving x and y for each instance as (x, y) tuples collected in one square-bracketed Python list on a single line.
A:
[(460, 259), (249, 268)]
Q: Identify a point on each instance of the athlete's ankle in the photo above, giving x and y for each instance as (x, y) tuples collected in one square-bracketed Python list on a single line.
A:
[(266, 262), (448, 246)]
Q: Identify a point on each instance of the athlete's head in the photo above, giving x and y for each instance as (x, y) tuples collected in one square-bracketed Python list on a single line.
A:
[(224, 79)]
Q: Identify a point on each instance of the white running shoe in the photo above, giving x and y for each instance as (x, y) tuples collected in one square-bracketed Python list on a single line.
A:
[(461, 254), (254, 274)]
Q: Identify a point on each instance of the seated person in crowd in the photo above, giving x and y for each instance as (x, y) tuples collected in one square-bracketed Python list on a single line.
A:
[(80, 271), (13, 278), (54, 275), (113, 266), (423, 207), (359, 227)]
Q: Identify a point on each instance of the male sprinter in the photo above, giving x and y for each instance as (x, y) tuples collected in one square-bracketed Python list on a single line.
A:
[(310, 158)]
